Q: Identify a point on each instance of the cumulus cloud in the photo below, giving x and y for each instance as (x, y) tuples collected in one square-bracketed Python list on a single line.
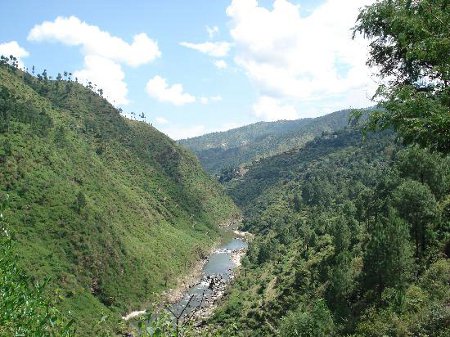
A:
[(13, 48), (103, 53), (271, 109), (214, 49), (220, 64), (108, 75), (74, 32), (288, 56), (158, 88)]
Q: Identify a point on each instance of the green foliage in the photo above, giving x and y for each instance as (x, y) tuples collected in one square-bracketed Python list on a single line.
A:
[(388, 255), (335, 224), (410, 46), (423, 313), (24, 309), (315, 321), (104, 206), (417, 205)]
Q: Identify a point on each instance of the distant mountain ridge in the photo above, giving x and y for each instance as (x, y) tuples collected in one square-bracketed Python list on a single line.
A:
[(236, 147)]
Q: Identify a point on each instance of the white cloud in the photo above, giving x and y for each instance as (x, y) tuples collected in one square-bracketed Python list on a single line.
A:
[(214, 49), (271, 109), (220, 64), (158, 88), (161, 120), (207, 100), (73, 32), (103, 53), (183, 132), (212, 31), (108, 75), (13, 48), (288, 56)]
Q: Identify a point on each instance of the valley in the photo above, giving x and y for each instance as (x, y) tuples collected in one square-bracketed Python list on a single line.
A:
[(332, 226), (115, 213)]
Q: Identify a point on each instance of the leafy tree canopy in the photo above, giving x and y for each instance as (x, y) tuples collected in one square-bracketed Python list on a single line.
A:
[(410, 46)]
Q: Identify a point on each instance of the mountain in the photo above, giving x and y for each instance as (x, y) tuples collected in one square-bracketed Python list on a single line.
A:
[(110, 209), (351, 239), (222, 150)]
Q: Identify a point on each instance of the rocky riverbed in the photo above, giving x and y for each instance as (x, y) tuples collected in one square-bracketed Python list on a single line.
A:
[(217, 284), (200, 299), (197, 295)]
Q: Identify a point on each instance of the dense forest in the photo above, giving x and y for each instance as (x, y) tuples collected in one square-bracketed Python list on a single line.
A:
[(352, 238), (108, 209)]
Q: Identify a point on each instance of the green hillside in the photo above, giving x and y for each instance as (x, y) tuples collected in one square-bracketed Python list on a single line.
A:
[(230, 149), (110, 209), (352, 238)]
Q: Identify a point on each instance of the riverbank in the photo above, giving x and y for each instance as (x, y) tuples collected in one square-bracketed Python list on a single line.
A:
[(218, 286), (175, 294), (196, 275)]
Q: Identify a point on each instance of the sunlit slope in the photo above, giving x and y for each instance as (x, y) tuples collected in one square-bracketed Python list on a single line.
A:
[(110, 209)]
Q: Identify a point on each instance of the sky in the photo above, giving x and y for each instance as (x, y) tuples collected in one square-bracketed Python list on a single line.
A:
[(199, 66)]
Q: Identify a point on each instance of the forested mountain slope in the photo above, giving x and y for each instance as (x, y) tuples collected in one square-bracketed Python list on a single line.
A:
[(231, 149), (110, 209), (352, 239)]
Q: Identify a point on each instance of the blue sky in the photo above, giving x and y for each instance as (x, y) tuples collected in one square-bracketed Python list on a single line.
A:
[(199, 66)]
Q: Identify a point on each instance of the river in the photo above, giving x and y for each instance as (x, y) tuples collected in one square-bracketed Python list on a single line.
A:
[(215, 276), (198, 301)]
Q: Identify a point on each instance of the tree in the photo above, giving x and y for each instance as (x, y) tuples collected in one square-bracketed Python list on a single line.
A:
[(297, 202), (410, 46), (427, 168), (417, 205), (341, 274), (313, 321), (6, 107), (80, 202), (388, 256)]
